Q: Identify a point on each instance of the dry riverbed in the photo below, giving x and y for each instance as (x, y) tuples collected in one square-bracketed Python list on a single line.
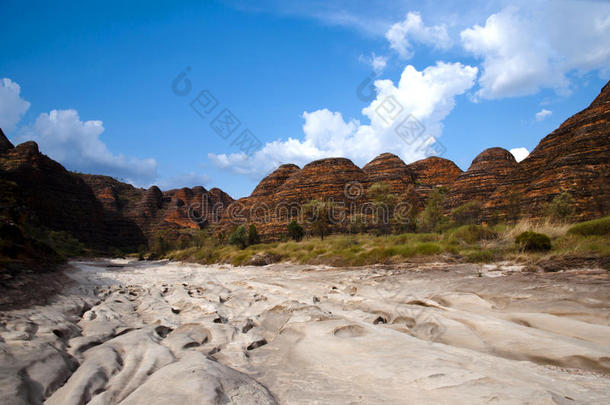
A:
[(128, 332)]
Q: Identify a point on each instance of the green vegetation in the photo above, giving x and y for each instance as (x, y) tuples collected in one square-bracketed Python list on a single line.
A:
[(253, 237), (432, 216), (295, 231), (472, 233), (386, 234), (562, 207), (319, 214), (384, 203), (466, 243), (533, 241), (467, 214), (239, 237), (596, 227), (61, 242)]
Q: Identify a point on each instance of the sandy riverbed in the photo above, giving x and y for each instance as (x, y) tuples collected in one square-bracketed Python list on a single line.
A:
[(130, 332)]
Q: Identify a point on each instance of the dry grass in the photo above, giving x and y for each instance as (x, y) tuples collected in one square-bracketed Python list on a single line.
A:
[(365, 249), (549, 228)]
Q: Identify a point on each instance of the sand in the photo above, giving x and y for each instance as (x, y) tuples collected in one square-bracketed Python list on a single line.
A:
[(129, 332)]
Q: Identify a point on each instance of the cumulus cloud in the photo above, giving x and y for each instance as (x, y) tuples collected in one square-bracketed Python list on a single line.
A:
[(536, 46), (543, 114), (519, 153), (76, 144), (12, 106), (404, 34), (420, 101), (377, 62)]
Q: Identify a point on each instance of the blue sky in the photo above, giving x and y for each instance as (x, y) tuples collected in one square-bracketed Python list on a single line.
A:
[(91, 82)]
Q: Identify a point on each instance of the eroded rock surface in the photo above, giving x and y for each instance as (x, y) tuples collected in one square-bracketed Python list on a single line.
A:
[(574, 158), (481, 179), (434, 172), (158, 333)]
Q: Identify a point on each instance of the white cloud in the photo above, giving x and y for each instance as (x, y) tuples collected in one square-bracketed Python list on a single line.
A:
[(377, 62), (519, 153), (12, 106), (535, 46), (543, 114), (76, 144), (428, 95), (404, 34)]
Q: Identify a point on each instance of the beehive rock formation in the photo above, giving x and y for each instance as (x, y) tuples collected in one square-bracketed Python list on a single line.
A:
[(278, 198), (482, 177), (574, 158), (103, 212), (433, 172), (390, 169), (270, 184), (154, 210)]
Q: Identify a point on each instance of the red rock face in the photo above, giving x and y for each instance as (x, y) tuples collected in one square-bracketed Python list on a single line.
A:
[(270, 184), (279, 197), (573, 158), (98, 210), (153, 210), (431, 173), (435, 172), (390, 169), (482, 177), (43, 193)]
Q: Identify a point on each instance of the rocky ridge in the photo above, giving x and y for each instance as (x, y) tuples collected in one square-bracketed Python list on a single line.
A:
[(102, 211), (574, 158)]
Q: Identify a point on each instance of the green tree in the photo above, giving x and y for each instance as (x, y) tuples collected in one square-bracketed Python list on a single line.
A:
[(253, 237), (384, 203), (238, 237), (295, 231), (433, 212), (562, 207), (319, 215)]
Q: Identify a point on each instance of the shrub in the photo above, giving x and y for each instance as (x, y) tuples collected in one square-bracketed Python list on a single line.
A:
[(473, 233), (533, 241), (238, 237), (468, 213), (253, 237), (562, 207), (65, 244), (596, 227), (480, 256), (295, 231), (221, 237)]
